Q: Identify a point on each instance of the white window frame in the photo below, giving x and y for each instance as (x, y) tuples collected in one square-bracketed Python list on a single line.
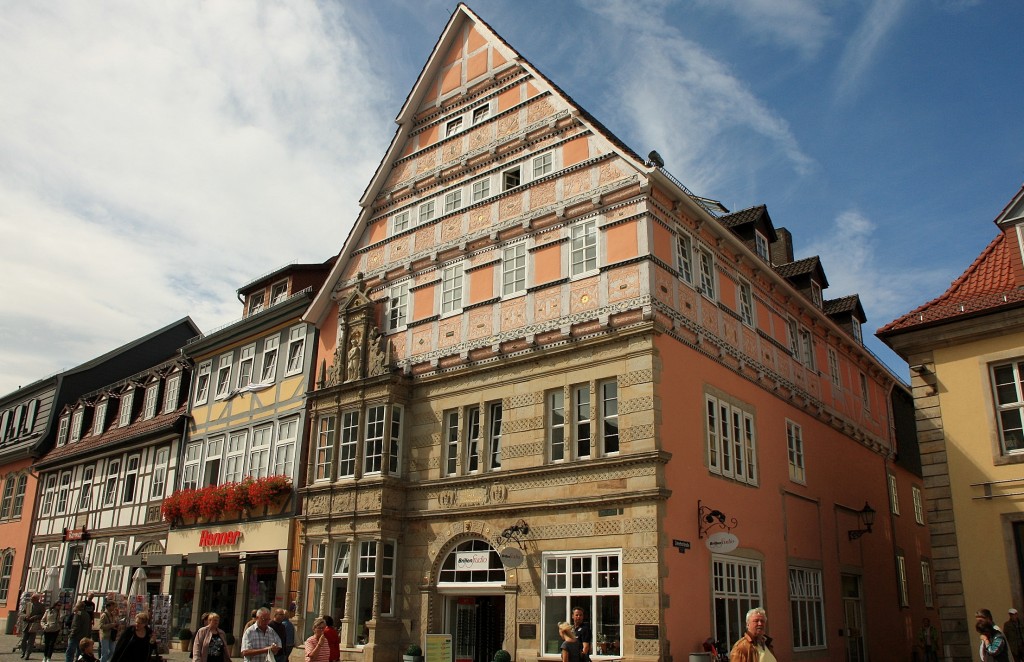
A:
[(63, 493), (49, 494), (451, 442), (35, 569), (915, 492), (85, 494), (246, 365), (857, 332), (99, 416), (116, 568), (795, 452), (8, 498), (512, 178), (807, 609), (473, 441), (159, 482), (63, 429), (190, 465), (278, 292), (541, 165), (374, 440), (212, 462), (19, 495), (708, 283), (223, 384), (6, 567), (894, 496), (806, 347), (284, 449), (762, 247), (574, 577), (76, 424), (684, 257), (746, 303), (172, 392), (150, 401), (400, 222), (234, 455), (452, 201), (348, 443), (729, 456), (268, 362), (816, 298), (398, 306), (608, 417), (99, 562), (737, 587), (425, 212), (395, 441), (296, 349), (513, 269), (203, 382), (453, 126), (110, 482), (259, 453), (494, 416), (1005, 379), (584, 248), (793, 335), (323, 457), (124, 409), (256, 302), (452, 288), (582, 422), (926, 582), (901, 579), (557, 425), (833, 370), (480, 113), (481, 189)]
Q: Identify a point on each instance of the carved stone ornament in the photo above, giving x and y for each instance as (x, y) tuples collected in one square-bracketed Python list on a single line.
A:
[(362, 349)]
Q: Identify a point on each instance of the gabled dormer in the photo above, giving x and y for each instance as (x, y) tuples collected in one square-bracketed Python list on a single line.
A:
[(272, 288), (848, 313), (755, 228), (1011, 221), (807, 276)]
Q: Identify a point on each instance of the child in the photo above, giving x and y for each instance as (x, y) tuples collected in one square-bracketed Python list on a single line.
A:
[(85, 651)]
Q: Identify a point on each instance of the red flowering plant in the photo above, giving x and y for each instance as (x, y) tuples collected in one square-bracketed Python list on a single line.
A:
[(212, 500), (238, 496), (263, 490), (171, 508)]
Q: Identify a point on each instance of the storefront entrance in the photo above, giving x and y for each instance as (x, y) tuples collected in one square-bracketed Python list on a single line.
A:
[(477, 626), (220, 586)]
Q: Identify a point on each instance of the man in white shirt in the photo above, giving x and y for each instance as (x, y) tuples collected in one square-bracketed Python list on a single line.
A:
[(260, 639)]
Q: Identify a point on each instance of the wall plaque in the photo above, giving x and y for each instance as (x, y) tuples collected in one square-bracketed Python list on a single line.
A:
[(527, 630), (645, 631)]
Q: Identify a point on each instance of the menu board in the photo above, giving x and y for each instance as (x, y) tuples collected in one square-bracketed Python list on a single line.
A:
[(439, 648)]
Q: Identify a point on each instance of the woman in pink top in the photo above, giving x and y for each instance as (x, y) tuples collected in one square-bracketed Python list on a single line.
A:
[(317, 649)]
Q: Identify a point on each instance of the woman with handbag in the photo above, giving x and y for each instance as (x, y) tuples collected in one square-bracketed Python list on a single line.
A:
[(51, 630), (210, 644), (136, 643)]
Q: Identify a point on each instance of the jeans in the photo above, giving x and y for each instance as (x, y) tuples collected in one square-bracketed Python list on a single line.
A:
[(49, 642), (106, 649), (72, 652)]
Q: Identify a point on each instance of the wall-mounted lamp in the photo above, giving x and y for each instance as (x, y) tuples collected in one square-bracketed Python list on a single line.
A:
[(867, 518), (78, 557), (709, 518), (515, 533)]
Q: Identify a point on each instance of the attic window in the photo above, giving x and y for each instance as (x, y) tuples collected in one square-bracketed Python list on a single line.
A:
[(255, 302), (511, 178), (481, 113), (761, 246), (816, 293), (279, 292), (453, 127), (855, 327)]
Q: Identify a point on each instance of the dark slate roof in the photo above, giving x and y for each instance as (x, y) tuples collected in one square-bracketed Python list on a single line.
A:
[(798, 267), (743, 216), (847, 304)]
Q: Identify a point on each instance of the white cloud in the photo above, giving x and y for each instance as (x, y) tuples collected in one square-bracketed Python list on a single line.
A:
[(864, 43), (709, 126), (154, 157), (796, 24), (849, 253)]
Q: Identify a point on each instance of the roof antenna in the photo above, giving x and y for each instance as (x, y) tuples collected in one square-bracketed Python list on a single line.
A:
[(655, 160)]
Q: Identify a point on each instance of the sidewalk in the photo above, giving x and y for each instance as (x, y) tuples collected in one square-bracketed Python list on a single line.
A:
[(8, 642)]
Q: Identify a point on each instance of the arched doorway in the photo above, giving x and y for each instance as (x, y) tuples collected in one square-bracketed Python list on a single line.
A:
[(471, 583), (154, 574)]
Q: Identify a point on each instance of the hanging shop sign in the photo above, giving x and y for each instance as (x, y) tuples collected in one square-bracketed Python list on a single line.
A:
[(216, 539), (722, 541), (74, 534), (511, 557)]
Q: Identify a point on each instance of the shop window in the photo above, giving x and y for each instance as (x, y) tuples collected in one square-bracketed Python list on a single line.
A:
[(807, 605), (590, 581), (737, 589)]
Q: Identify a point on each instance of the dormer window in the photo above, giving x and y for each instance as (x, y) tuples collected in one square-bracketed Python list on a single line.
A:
[(172, 393), (761, 247), (124, 415), (816, 293), (279, 292), (255, 302), (149, 406), (62, 431), (99, 418), (855, 328), (76, 424)]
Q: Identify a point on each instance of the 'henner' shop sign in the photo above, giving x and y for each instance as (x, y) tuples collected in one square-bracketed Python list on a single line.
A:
[(215, 539)]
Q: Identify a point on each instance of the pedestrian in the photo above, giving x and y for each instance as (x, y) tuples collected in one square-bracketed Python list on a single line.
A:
[(583, 633), (755, 645), (210, 644), (51, 629), (259, 639), (110, 627), (332, 639), (284, 629), (136, 643), (31, 616), (570, 647), (81, 627), (85, 648), (993, 646), (1014, 631), (928, 640), (317, 647)]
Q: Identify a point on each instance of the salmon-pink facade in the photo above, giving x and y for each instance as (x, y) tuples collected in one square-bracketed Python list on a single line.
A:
[(553, 378)]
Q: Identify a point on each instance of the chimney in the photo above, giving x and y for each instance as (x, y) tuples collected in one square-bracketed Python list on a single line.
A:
[(782, 248)]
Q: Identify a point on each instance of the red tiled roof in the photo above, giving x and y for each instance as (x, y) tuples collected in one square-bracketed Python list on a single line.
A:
[(989, 283), (89, 443)]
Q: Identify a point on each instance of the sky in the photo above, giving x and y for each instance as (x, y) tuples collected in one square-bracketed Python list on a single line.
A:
[(156, 156)]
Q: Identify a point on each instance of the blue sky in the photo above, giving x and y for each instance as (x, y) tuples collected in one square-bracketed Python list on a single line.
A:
[(156, 156)]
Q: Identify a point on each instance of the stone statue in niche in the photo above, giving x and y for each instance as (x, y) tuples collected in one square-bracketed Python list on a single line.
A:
[(378, 357), (355, 358)]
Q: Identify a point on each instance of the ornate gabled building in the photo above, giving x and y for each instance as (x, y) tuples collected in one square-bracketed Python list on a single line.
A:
[(547, 370), (966, 354), (30, 422), (104, 481)]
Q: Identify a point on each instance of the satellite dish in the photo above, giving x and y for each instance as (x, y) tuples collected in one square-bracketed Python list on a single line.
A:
[(655, 159)]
